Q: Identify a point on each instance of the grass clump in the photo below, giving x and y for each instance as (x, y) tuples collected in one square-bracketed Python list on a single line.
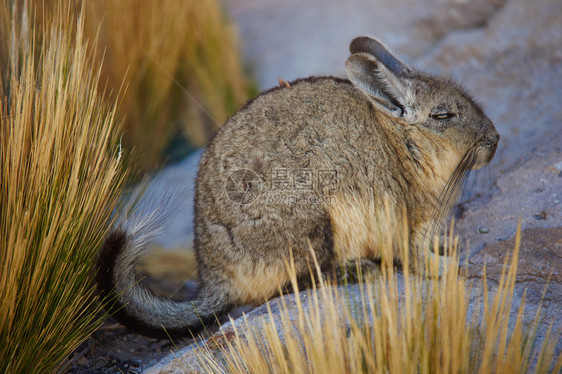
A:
[(401, 323), (60, 172), (180, 63)]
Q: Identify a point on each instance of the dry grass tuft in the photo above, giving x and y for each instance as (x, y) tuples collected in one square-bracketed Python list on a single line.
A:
[(180, 63), (422, 326), (60, 171)]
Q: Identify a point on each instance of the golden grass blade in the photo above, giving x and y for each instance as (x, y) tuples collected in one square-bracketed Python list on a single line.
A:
[(159, 51), (191, 41), (60, 177), (430, 332)]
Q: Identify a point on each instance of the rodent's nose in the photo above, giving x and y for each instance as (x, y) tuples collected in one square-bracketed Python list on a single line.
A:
[(491, 135), (492, 141), (494, 138)]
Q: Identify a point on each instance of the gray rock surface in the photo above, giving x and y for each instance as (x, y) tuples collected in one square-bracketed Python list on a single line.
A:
[(190, 356), (291, 39), (508, 53)]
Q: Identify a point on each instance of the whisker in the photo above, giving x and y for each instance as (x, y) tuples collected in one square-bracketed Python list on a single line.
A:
[(469, 183), (449, 194)]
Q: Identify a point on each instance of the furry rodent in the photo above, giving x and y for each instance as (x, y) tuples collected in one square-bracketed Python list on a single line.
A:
[(311, 164)]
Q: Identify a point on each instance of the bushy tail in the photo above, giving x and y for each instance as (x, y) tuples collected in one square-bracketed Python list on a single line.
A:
[(134, 305)]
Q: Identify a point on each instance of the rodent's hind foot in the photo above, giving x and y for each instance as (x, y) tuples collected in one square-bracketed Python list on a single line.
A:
[(350, 272), (357, 271)]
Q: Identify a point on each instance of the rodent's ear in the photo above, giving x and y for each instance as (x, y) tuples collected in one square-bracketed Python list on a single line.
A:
[(365, 44), (388, 91)]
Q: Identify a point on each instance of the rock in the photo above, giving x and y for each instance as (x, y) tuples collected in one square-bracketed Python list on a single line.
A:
[(513, 67), (531, 187), (83, 361), (293, 39), (539, 275), (190, 357), (539, 265)]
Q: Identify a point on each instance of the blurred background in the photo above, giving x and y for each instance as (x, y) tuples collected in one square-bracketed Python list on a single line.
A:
[(173, 66)]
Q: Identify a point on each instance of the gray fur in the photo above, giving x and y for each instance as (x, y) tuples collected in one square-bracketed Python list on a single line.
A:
[(394, 137)]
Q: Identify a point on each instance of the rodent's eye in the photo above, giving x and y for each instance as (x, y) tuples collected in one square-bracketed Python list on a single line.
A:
[(442, 116)]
